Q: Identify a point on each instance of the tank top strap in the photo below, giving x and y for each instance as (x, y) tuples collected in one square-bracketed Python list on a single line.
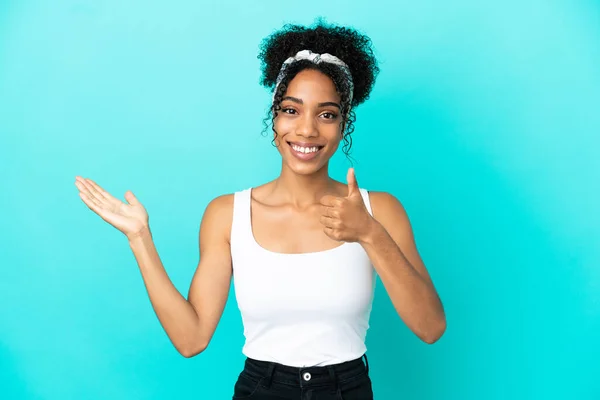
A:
[(366, 199), (241, 227)]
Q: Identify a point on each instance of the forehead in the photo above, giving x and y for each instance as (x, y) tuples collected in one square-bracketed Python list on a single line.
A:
[(310, 84)]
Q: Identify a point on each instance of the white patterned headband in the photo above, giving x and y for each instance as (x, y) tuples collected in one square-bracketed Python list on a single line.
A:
[(317, 59)]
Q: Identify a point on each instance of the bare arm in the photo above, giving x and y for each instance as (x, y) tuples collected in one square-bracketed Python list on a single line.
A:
[(388, 239), (392, 249), (190, 324)]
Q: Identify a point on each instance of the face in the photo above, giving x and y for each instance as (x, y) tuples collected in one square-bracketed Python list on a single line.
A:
[(308, 124)]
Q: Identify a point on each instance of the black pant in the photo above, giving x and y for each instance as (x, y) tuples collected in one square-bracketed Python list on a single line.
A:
[(261, 380)]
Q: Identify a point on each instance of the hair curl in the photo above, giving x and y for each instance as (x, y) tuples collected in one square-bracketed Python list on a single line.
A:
[(352, 47)]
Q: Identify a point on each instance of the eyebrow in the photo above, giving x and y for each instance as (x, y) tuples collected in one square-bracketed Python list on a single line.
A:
[(299, 101)]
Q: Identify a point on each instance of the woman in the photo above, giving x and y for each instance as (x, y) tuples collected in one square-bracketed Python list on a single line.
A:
[(303, 249)]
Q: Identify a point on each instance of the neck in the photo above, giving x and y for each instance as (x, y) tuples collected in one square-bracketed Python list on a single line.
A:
[(302, 190)]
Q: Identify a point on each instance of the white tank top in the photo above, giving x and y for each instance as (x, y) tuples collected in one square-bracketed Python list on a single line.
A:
[(301, 310)]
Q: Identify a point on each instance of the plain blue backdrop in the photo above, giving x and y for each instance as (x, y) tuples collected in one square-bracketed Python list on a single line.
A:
[(484, 122)]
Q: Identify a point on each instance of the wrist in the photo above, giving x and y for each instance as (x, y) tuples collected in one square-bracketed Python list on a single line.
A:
[(142, 234), (372, 231)]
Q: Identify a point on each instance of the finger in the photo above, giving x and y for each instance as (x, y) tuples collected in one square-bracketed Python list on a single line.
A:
[(332, 233), (352, 183), (331, 212), (92, 204), (83, 188), (98, 191), (131, 199), (328, 231), (90, 191), (86, 189), (94, 200), (328, 221), (330, 201), (113, 200)]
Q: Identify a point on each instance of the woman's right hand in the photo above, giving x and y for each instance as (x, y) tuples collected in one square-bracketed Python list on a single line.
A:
[(130, 218)]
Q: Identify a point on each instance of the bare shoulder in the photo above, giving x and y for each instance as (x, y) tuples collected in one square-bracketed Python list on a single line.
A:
[(218, 216), (387, 207), (221, 204)]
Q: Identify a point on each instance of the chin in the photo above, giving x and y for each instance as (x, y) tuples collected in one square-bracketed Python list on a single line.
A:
[(302, 168)]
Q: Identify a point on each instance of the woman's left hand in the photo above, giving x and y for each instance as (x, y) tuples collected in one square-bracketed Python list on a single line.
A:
[(346, 219)]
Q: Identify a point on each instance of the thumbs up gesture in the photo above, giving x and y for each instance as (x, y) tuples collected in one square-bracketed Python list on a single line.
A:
[(346, 219)]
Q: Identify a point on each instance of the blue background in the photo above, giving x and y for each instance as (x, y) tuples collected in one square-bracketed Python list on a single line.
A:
[(484, 122)]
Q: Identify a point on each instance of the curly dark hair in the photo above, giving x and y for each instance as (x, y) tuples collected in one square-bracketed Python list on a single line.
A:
[(346, 43)]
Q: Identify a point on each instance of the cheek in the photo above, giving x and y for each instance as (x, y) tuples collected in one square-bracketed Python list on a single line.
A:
[(334, 136), (282, 125), (334, 145)]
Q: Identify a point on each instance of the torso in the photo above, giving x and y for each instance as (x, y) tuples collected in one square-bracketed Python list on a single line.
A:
[(305, 299)]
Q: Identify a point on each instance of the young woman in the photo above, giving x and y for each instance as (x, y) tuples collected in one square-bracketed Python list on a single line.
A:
[(303, 249)]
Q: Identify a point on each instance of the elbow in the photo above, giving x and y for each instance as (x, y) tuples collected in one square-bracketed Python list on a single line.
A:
[(188, 353), (435, 333), (191, 350)]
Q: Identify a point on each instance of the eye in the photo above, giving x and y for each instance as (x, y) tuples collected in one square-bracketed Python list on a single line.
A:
[(329, 115), (288, 111)]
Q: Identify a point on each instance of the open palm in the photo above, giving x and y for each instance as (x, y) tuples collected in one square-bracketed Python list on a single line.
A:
[(130, 218)]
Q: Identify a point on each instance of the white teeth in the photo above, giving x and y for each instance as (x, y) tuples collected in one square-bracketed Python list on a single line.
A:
[(305, 149)]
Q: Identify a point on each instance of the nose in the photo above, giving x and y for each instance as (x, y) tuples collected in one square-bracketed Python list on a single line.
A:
[(306, 127)]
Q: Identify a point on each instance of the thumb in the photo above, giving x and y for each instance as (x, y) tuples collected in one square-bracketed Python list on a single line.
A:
[(352, 183), (131, 199)]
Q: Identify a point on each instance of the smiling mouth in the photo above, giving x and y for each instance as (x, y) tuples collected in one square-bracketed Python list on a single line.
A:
[(305, 151), (305, 148)]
